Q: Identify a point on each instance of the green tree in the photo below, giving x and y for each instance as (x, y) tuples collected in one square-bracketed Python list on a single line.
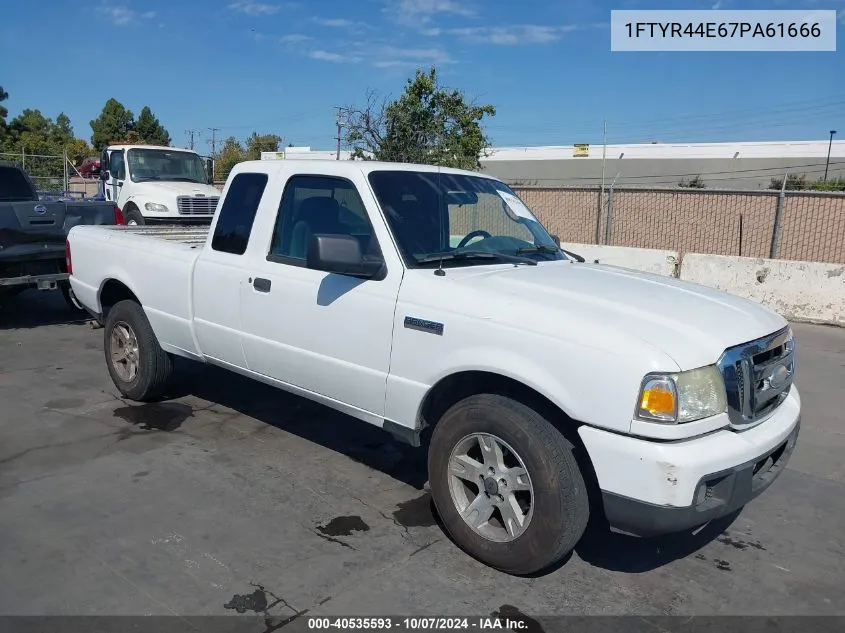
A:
[(31, 132), (229, 155), (113, 124), (78, 150), (257, 143), (3, 113), (428, 124), (150, 130), (62, 133)]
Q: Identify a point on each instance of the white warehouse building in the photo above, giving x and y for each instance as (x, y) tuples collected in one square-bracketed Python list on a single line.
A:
[(718, 165)]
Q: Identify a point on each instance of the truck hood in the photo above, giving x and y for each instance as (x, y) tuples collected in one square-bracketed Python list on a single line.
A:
[(690, 323), (179, 189)]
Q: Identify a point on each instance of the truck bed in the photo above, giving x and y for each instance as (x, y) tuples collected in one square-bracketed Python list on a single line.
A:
[(190, 235)]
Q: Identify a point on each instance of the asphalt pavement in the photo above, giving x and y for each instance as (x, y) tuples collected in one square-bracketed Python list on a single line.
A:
[(235, 497)]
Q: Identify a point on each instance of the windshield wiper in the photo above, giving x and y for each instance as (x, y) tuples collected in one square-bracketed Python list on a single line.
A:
[(538, 249), (453, 255), (147, 179), (184, 179)]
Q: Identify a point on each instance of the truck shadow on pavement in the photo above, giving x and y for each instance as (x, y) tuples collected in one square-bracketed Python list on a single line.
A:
[(34, 308), (376, 449), (309, 420)]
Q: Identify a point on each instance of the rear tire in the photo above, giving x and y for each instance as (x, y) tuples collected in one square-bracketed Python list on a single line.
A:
[(543, 531), (139, 368), (70, 298)]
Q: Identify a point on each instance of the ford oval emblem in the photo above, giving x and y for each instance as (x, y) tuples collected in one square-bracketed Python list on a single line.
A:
[(40, 209)]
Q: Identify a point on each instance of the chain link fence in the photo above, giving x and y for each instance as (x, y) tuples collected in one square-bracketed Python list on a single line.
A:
[(50, 174), (794, 225)]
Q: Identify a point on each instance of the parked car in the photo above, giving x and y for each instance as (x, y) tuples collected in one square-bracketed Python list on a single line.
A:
[(432, 303), (33, 232), (90, 167)]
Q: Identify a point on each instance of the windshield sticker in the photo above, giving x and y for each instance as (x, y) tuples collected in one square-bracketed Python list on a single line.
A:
[(516, 205)]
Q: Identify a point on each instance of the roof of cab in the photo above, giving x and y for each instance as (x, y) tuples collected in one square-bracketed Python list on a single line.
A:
[(162, 147), (360, 166)]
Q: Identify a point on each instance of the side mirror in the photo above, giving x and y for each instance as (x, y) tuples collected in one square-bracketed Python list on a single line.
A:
[(556, 240), (209, 170), (340, 254), (104, 175)]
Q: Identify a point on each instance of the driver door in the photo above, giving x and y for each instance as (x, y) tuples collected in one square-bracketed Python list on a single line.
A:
[(327, 333), (114, 174)]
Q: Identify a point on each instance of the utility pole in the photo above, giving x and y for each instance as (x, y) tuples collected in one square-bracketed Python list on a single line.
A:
[(190, 134), (340, 124), (601, 190), (214, 131), (827, 164)]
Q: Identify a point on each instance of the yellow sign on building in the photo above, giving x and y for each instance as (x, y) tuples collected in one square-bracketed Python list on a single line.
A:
[(581, 150)]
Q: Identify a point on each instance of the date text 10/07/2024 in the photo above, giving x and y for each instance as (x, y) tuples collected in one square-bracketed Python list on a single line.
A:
[(418, 623)]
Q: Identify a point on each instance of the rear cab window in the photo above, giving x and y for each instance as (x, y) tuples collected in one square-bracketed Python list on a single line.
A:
[(236, 217), (14, 186)]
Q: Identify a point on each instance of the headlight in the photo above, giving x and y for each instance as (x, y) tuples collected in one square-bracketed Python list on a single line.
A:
[(156, 208), (682, 397)]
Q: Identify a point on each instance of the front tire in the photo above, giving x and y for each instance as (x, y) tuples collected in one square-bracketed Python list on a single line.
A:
[(138, 366), (132, 216), (507, 484)]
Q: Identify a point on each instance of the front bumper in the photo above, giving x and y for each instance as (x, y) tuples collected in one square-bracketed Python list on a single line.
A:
[(652, 487), (717, 495)]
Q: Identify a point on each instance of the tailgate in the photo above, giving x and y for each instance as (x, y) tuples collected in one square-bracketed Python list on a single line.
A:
[(39, 229)]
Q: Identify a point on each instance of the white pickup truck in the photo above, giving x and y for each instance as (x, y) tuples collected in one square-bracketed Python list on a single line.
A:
[(432, 303)]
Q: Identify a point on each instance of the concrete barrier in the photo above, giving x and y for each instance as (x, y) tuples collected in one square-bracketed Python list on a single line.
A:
[(640, 259), (801, 291)]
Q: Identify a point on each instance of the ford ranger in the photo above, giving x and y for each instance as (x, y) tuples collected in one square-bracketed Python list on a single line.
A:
[(432, 303)]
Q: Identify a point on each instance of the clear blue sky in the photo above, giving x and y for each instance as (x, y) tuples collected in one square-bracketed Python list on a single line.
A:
[(280, 67)]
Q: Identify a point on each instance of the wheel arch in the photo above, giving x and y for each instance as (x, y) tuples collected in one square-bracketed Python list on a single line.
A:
[(460, 385), (113, 291)]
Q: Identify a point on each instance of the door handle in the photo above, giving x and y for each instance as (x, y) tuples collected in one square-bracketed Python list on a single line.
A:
[(261, 285)]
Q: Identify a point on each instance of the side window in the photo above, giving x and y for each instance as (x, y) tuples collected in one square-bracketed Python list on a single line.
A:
[(231, 234), (116, 167), (319, 205)]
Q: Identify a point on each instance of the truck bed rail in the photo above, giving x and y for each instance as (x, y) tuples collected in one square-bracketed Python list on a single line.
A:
[(192, 235)]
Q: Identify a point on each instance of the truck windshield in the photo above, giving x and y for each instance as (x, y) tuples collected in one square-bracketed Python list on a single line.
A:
[(163, 164), (459, 220)]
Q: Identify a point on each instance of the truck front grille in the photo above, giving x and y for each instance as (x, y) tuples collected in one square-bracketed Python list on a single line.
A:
[(196, 205), (758, 376)]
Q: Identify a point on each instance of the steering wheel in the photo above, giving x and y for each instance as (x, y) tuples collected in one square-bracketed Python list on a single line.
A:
[(471, 235)]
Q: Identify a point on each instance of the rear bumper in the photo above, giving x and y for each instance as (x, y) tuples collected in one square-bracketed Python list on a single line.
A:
[(717, 495), (26, 280)]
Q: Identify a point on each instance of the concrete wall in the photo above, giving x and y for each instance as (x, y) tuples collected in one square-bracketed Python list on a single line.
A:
[(642, 259), (800, 291)]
